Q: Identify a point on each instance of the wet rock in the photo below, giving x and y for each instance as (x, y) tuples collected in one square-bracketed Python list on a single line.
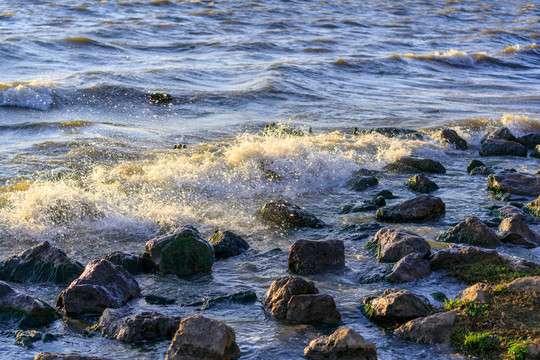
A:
[(345, 344), (182, 252), (459, 255), (515, 183), (420, 208), (536, 152), (227, 244), (530, 141), (482, 170), (439, 296), (502, 133), (364, 172), (409, 268), (508, 211), (499, 147), (393, 132), (313, 309), (277, 297), (54, 356), (118, 324), (102, 285), (288, 215), (369, 205), (41, 263), (27, 338), (394, 244), (21, 310), (452, 137), (244, 297), (529, 284), (474, 164), (158, 300), (471, 231), (476, 292), (361, 183), (160, 98), (396, 306), (415, 164), (132, 263), (314, 257), (422, 184), (386, 194), (514, 230), (202, 338), (534, 207), (433, 329)]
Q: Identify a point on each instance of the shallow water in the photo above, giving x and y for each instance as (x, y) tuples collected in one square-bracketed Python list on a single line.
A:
[(87, 160)]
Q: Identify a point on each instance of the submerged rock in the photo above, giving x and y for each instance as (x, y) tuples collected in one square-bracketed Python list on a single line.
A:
[(102, 285), (132, 263), (396, 306), (313, 257), (394, 244), (433, 329), (514, 230), (482, 170), (452, 137), (360, 183), (459, 255), (160, 98), (422, 184), (409, 268), (471, 231), (22, 310), (41, 263), (499, 147), (244, 297), (182, 252), (227, 244), (202, 338), (420, 208), (474, 164), (54, 356), (345, 344), (393, 132), (27, 338), (409, 164), (289, 215), (515, 183), (534, 207)]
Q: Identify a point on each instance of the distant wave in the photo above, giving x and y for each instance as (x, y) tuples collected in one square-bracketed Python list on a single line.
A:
[(31, 95), (531, 48), (453, 57)]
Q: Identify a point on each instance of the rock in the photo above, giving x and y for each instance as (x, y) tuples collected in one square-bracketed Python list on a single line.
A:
[(244, 297), (458, 255), (200, 338), (515, 183), (534, 207), (312, 309), (277, 297), (132, 263), (22, 310), (529, 284), (314, 257), (422, 184), (54, 356), (394, 244), (514, 230), (102, 285), (474, 164), (361, 183), (397, 307), (530, 141), (502, 133), (227, 244), (482, 170), (420, 208), (452, 137), (27, 338), (471, 231), (160, 98), (182, 252), (409, 268), (158, 300), (289, 215), (416, 164), (508, 211), (536, 152), (386, 194), (433, 329), (41, 263), (393, 132), (343, 344), (498, 147), (532, 351), (477, 292), (117, 323)]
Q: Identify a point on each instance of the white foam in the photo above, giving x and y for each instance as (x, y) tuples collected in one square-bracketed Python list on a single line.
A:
[(32, 95), (452, 56), (520, 125)]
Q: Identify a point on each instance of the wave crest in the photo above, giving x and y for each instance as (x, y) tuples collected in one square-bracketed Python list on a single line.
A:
[(31, 95)]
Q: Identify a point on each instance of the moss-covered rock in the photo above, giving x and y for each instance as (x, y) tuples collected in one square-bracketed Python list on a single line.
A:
[(421, 184), (286, 214), (471, 231), (534, 207), (227, 244), (20, 310)]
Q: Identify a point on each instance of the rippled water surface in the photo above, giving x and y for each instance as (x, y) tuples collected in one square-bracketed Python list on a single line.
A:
[(87, 160)]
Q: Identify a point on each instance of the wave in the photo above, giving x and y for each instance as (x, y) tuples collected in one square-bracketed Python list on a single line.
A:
[(516, 49), (453, 57), (33, 95)]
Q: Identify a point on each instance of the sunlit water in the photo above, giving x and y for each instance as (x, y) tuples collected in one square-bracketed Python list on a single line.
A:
[(87, 160)]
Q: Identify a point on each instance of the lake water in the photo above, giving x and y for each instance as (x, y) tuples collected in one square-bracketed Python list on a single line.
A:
[(87, 160)]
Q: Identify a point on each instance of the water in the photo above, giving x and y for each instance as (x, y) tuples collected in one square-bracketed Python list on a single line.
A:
[(87, 160)]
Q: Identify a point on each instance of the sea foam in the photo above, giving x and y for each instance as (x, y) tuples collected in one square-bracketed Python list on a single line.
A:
[(32, 95)]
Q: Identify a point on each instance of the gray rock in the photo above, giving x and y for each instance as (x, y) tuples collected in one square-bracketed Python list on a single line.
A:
[(419, 164), (54, 356), (421, 184), (313, 257), (508, 211), (288, 215), (132, 263), (420, 208), (227, 244), (360, 183), (396, 306), (499, 147), (409, 268), (502, 133), (529, 284), (394, 244), (482, 170), (476, 292), (459, 255), (514, 230), (515, 183), (452, 137), (471, 231), (21, 310), (431, 330), (243, 297), (343, 344), (474, 164), (530, 141), (313, 309)]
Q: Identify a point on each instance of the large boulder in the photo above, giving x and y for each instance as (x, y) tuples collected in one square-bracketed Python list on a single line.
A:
[(227, 244), (452, 137), (433, 329), (132, 263), (528, 284), (313, 257), (22, 310), (343, 344), (502, 133), (515, 183), (394, 244), (421, 184), (499, 147), (288, 215), (182, 252), (534, 207), (409, 164), (199, 338), (530, 141), (55, 356), (277, 297), (457, 256), (420, 208), (41, 263), (471, 231), (102, 285), (514, 230), (396, 306), (409, 268), (118, 324)]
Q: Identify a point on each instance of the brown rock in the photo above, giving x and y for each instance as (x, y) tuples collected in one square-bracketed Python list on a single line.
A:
[(343, 344), (313, 257), (277, 297), (394, 244), (515, 183), (530, 284), (433, 329), (514, 230), (498, 147), (534, 206), (409, 268), (23, 310), (477, 292), (313, 308), (458, 255), (452, 137), (471, 231), (420, 208), (398, 306)]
